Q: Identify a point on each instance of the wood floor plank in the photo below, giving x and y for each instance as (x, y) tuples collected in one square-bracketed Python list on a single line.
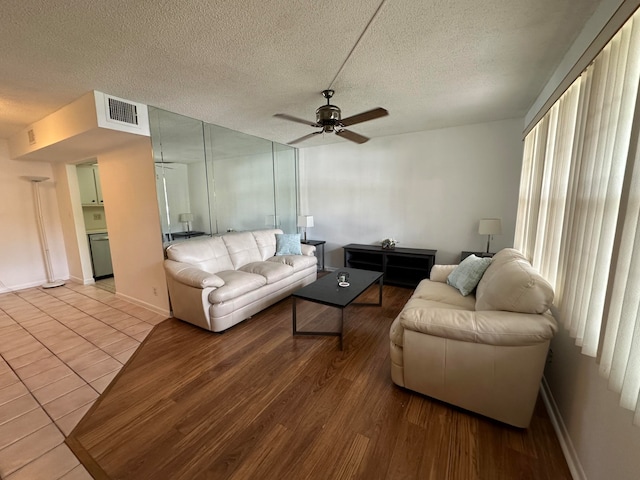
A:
[(257, 402)]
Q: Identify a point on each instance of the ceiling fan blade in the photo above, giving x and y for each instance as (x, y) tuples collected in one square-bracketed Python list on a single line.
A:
[(302, 139), (353, 136), (296, 119), (364, 116)]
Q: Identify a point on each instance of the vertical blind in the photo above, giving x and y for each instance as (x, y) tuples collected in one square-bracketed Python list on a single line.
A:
[(579, 209)]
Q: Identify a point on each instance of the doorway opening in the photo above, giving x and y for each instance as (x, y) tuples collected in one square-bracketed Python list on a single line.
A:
[(95, 224)]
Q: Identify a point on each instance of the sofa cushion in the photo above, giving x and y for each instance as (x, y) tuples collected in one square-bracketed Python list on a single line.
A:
[(270, 270), (396, 332), (288, 244), (209, 254), (242, 248), (465, 277), (236, 283), (298, 262), (512, 284), (266, 241)]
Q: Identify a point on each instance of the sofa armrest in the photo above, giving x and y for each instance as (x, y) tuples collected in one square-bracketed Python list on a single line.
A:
[(192, 276), (489, 327), (308, 250), (440, 273)]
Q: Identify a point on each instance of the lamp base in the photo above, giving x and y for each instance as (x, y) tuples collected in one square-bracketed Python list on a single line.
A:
[(55, 283)]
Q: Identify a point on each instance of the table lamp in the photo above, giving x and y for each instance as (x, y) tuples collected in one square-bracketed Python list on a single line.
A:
[(305, 221), (186, 218), (488, 227)]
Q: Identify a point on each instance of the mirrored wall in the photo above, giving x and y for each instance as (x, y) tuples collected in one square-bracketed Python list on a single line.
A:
[(211, 179)]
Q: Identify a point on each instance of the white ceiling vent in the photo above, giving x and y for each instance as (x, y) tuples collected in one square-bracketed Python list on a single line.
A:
[(120, 114), (122, 111)]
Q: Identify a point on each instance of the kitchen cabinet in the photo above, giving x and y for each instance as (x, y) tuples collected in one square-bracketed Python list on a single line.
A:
[(89, 182)]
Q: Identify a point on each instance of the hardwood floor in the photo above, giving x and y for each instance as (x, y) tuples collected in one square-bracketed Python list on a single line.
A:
[(257, 403)]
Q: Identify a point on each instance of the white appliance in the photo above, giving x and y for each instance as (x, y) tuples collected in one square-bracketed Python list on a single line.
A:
[(100, 255)]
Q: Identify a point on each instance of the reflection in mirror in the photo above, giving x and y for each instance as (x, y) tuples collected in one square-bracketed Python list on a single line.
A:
[(226, 180), (178, 149), (286, 186), (242, 169)]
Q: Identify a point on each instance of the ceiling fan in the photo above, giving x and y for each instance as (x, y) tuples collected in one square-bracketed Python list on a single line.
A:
[(328, 118)]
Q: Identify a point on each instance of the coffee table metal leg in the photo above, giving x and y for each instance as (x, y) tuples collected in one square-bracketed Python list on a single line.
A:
[(341, 327), (293, 303), (379, 304)]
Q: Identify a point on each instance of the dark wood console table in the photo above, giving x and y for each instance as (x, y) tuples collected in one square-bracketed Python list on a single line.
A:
[(403, 267)]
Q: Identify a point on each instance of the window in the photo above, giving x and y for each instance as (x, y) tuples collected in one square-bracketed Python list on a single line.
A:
[(579, 209)]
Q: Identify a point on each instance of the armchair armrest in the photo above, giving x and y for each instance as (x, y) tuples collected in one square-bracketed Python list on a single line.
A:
[(192, 276), (490, 327), (440, 273)]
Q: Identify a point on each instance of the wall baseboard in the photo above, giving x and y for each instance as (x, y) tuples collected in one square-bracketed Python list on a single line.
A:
[(146, 305), (561, 432), (81, 281), (14, 288)]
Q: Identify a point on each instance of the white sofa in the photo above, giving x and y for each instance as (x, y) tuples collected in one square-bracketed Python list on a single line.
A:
[(484, 352), (217, 282)]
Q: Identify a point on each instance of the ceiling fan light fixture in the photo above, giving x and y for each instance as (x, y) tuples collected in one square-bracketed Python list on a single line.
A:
[(329, 119), (328, 114)]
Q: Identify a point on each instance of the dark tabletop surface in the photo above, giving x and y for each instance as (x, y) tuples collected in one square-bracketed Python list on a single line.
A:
[(327, 291)]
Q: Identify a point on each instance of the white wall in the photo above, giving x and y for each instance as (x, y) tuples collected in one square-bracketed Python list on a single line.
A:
[(127, 176), (73, 227), (600, 434), (426, 189), (21, 261)]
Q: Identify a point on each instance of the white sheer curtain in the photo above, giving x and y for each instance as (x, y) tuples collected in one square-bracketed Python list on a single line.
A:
[(578, 210), (530, 186)]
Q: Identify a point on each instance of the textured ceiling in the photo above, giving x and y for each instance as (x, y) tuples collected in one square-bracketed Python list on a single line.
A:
[(235, 63)]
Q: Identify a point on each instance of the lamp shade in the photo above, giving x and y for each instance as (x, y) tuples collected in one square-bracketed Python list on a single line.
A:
[(185, 217), (305, 221), (490, 226)]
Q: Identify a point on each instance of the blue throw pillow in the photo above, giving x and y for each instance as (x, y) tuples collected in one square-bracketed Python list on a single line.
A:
[(288, 244), (467, 275)]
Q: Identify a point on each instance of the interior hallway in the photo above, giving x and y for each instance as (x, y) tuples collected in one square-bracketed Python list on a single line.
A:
[(59, 349)]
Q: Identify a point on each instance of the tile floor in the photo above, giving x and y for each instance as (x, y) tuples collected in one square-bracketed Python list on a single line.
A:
[(108, 284), (59, 349)]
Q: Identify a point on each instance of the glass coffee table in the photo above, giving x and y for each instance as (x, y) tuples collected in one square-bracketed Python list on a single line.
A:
[(326, 291)]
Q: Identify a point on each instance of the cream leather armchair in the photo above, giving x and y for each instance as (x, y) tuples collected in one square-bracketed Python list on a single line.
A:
[(485, 352)]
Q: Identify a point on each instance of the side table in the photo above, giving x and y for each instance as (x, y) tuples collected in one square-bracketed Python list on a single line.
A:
[(317, 243), (176, 235)]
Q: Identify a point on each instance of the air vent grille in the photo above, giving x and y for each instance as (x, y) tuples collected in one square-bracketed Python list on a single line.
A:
[(123, 111), (32, 137)]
